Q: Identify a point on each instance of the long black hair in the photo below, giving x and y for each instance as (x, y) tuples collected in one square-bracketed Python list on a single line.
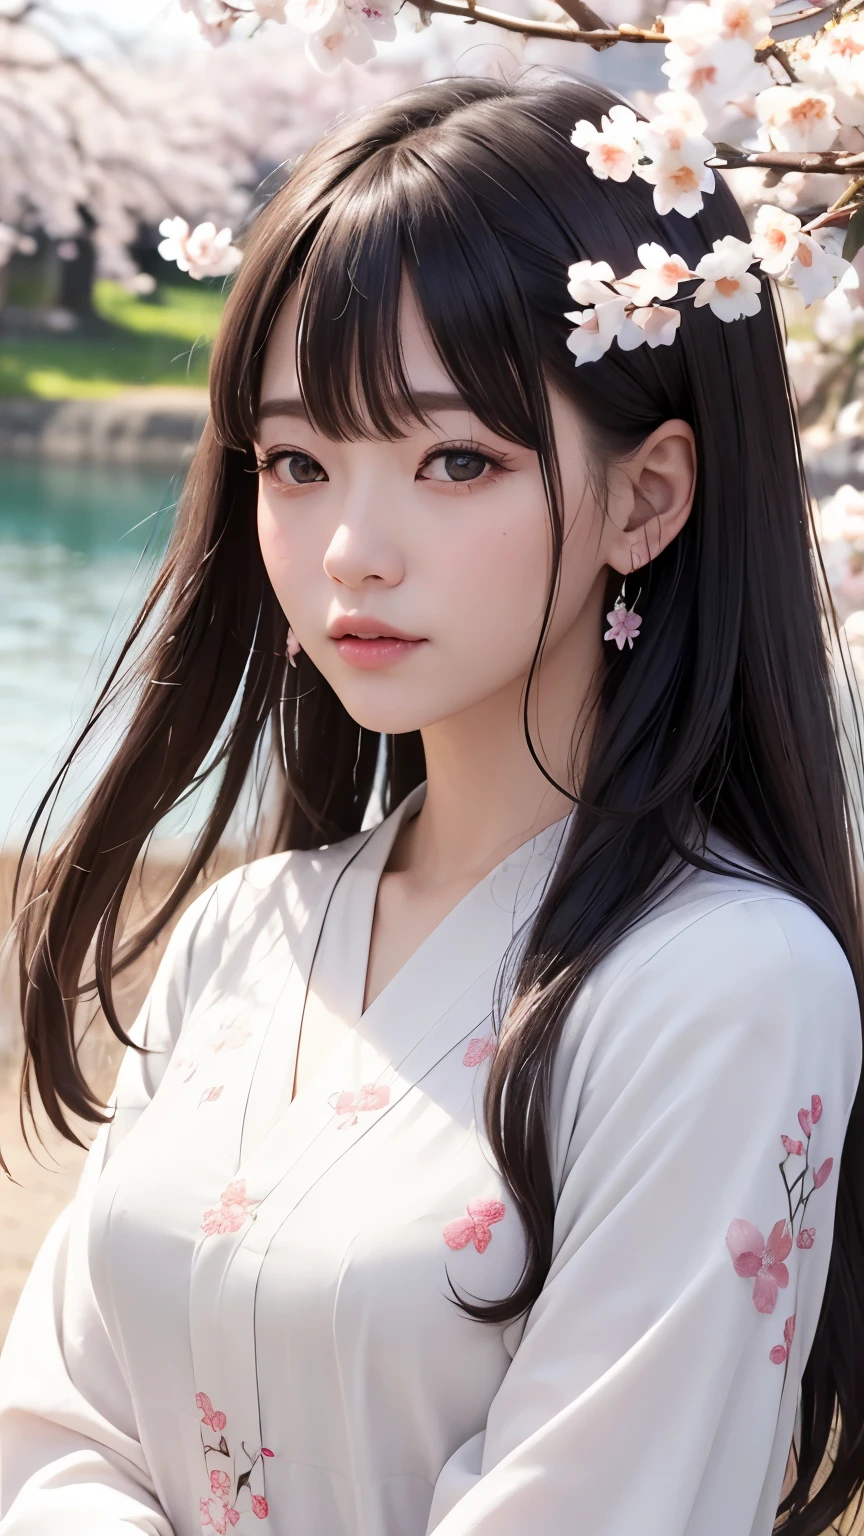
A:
[(722, 716)]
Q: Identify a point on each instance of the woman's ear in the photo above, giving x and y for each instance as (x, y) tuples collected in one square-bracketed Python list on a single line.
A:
[(650, 496)]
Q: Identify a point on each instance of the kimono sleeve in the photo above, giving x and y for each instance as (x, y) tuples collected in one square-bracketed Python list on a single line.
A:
[(70, 1458), (700, 1116)]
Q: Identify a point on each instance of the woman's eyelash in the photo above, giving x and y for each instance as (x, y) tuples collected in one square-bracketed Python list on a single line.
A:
[(443, 449)]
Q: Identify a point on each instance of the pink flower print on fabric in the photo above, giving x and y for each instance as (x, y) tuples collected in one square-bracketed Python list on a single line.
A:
[(210, 1095), (217, 1515), (478, 1050), (210, 1415), (476, 1227), (234, 1208), (350, 1104), (780, 1352), (218, 1511), (761, 1261), (623, 626), (230, 1037)]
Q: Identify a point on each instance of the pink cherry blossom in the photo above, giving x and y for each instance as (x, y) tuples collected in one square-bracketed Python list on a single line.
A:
[(780, 1351), (475, 1227), (349, 1103), (822, 1172), (265, 1451), (233, 1210), (794, 1148), (624, 626), (761, 1261), (260, 1507), (202, 252), (210, 1416), (815, 1109), (478, 1049), (220, 1483), (805, 1120), (806, 1237), (231, 1515)]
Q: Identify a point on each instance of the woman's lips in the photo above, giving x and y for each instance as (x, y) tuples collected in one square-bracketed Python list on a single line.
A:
[(368, 652)]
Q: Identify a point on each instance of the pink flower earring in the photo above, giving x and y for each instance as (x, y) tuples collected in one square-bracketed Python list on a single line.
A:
[(292, 647), (625, 622)]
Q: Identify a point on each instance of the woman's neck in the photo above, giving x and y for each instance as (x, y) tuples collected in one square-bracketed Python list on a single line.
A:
[(485, 794)]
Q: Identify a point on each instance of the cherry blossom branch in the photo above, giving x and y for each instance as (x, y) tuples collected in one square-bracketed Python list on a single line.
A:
[(829, 162), (595, 37)]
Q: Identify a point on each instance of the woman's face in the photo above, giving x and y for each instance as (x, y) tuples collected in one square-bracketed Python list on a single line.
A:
[(440, 540)]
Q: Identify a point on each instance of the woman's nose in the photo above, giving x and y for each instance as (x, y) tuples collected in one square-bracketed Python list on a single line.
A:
[(360, 552)]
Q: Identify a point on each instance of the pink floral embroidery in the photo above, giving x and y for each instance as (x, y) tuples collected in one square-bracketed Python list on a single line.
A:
[(210, 1095), (478, 1050), (234, 1208), (476, 1226), (209, 1415), (350, 1105), (764, 1261), (761, 1261), (218, 1510), (780, 1352), (231, 1037)]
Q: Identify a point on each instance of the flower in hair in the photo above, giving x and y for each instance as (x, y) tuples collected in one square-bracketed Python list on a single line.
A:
[(596, 329), (588, 280), (613, 148), (657, 278), (728, 287)]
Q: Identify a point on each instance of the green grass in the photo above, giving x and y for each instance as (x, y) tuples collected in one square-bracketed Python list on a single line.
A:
[(161, 340)]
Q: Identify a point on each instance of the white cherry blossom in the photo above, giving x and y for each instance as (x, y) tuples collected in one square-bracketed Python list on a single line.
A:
[(587, 282), (796, 118), (655, 323), (202, 252), (746, 21), (677, 171), (613, 148), (596, 329), (815, 271), (728, 287), (683, 108), (215, 20), (657, 278), (776, 235)]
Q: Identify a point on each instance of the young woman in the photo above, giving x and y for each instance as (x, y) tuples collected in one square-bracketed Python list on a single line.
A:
[(480, 1172)]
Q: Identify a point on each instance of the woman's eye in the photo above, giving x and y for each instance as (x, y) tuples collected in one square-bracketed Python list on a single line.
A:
[(457, 465), (296, 469)]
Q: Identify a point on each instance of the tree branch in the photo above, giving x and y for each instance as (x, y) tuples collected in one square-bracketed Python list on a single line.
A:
[(832, 162)]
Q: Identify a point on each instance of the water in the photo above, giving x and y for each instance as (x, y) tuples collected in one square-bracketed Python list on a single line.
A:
[(74, 566)]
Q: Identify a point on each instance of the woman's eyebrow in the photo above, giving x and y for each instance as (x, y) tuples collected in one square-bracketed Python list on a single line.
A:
[(427, 400)]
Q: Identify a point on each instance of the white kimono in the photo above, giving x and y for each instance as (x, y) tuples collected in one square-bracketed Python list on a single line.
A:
[(244, 1323)]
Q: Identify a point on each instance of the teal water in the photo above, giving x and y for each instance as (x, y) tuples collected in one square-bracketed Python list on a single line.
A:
[(78, 545)]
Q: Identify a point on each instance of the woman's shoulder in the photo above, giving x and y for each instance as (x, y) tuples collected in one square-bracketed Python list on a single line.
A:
[(723, 958), (255, 909)]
